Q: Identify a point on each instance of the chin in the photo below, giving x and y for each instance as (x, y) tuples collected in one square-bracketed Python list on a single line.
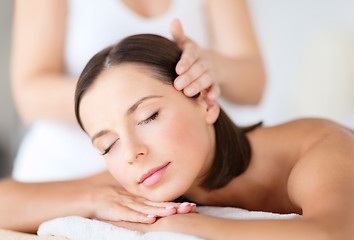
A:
[(164, 195)]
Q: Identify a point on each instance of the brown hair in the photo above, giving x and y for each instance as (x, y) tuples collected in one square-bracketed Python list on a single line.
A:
[(232, 152)]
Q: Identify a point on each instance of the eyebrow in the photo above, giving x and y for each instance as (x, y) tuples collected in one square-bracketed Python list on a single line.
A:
[(99, 134), (129, 111), (136, 105)]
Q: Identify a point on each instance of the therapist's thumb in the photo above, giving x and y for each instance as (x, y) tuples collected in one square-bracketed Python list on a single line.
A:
[(177, 32)]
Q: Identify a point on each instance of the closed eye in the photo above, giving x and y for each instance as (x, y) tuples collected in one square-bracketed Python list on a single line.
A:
[(109, 148), (149, 119)]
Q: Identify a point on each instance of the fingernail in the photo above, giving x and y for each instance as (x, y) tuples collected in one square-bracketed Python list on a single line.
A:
[(179, 83), (170, 207), (185, 204), (190, 91), (193, 204), (151, 216), (181, 69)]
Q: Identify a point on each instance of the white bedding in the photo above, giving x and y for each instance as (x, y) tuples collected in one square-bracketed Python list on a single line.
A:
[(78, 228)]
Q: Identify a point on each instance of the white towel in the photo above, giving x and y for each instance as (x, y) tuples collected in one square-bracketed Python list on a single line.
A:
[(79, 228)]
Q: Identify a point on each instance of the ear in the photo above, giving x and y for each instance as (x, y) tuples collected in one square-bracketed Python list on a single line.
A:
[(210, 106)]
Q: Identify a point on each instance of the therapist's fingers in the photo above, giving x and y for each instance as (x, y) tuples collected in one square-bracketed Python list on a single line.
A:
[(196, 79), (190, 54), (200, 84), (214, 92), (194, 67), (196, 84), (190, 50), (177, 32)]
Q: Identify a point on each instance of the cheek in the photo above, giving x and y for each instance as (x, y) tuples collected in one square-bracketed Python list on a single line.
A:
[(118, 171), (185, 137)]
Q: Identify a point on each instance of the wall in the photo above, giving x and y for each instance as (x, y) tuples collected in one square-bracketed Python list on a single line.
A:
[(308, 53), (8, 119)]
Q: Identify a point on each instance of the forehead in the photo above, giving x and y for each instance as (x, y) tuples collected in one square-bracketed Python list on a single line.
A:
[(126, 76), (125, 81), (116, 89)]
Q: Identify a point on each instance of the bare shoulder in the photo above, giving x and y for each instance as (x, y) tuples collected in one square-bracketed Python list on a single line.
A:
[(307, 131), (320, 145), (321, 181), (314, 150), (316, 159), (316, 124), (292, 139)]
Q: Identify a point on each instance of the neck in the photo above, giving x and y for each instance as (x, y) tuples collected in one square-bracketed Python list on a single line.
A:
[(195, 191)]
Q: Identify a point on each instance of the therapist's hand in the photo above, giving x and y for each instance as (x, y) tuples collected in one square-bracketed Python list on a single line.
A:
[(111, 203), (195, 66)]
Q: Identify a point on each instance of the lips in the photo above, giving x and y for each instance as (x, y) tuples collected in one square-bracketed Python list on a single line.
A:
[(153, 176)]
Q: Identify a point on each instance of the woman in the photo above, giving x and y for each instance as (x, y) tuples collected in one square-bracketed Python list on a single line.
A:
[(160, 144), (53, 40)]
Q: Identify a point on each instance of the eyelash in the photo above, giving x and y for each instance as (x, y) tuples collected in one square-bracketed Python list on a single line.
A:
[(149, 119), (109, 148)]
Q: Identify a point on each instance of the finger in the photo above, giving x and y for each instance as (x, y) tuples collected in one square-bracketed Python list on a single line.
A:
[(162, 204), (185, 207), (214, 92), (193, 73), (162, 211), (190, 55), (127, 214), (177, 32), (188, 208), (200, 84), (175, 205), (194, 208)]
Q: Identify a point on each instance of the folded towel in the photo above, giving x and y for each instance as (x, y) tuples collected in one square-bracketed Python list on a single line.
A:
[(79, 228)]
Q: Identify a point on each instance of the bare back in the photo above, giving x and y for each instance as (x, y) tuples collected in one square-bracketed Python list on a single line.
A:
[(293, 167)]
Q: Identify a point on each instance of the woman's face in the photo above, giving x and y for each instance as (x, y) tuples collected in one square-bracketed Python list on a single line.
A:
[(157, 142)]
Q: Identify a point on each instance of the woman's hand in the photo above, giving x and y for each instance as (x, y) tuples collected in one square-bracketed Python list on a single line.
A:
[(111, 203), (195, 66), (173, 223)]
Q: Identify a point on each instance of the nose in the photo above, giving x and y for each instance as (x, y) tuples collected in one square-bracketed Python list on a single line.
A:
[(135, 150)]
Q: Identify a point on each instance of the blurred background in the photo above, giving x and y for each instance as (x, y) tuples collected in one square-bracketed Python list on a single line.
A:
[(8, 118), (308, 49)]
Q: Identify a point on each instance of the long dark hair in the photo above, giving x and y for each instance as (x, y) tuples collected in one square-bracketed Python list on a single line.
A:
[(233, 151)]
